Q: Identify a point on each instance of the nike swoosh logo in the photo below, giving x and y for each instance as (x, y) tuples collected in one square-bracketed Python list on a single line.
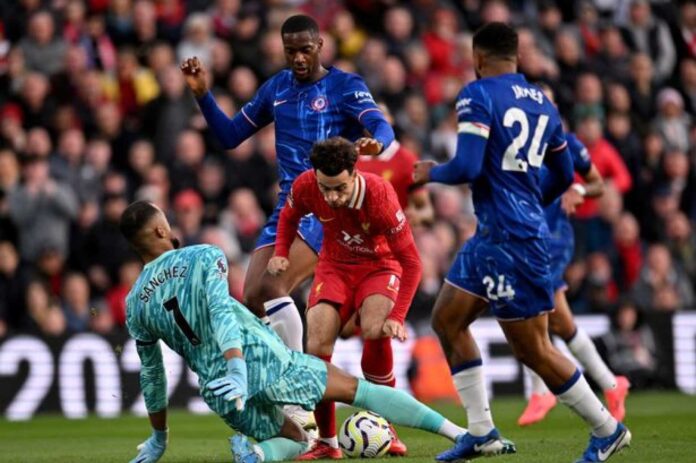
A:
[(478, 448), (323, 220), (279, 102), (604, 454)]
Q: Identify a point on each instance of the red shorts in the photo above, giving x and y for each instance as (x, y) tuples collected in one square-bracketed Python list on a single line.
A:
[(348, 285)]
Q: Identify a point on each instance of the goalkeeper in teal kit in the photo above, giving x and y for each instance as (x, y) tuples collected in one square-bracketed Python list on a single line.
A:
[(246, 374)]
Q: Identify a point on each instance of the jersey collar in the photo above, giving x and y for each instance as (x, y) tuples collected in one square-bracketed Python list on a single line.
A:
[(358, 197)]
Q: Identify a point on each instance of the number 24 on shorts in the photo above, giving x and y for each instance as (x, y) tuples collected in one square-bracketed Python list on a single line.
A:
[(503, 291)]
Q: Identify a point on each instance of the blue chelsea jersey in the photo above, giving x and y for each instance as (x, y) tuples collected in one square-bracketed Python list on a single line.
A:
[(521, 126), (305, 113)]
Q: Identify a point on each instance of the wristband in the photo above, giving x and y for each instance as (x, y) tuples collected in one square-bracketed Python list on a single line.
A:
[(580, 189)]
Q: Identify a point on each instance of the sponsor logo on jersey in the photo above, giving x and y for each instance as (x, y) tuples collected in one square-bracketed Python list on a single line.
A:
[(352, 239)]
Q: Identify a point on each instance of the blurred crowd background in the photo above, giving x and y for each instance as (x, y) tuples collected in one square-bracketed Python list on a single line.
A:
[(94, 113)]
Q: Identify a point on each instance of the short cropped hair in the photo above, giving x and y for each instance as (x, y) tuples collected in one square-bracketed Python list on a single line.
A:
[(497, 39), (135, 217), (333, 156), (299, 23)]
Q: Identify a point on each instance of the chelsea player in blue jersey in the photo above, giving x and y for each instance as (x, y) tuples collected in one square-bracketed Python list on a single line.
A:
[(561, 323), (507, 130), (308, 103)]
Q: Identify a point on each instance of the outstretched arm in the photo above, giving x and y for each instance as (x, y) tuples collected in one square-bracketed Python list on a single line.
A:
[(230, 131)]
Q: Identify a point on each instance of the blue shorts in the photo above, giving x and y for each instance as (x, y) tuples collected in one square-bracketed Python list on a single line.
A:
[(310, 231), (513, 275), (561, 249)]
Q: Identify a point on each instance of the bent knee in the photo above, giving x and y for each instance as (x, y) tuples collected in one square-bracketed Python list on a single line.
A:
[(318, 347), (371, 333)]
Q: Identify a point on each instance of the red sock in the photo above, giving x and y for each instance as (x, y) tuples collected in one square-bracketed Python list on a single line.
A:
[(378, 362), (325, 413)]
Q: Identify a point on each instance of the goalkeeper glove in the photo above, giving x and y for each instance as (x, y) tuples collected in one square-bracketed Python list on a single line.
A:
[(152, 449), (234, 385)]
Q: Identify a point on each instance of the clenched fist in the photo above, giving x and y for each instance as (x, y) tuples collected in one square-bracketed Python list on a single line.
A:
[(196, 76), (277, 265)]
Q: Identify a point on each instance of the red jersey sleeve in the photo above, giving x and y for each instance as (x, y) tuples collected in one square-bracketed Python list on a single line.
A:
[(295, 207), (392, 222)]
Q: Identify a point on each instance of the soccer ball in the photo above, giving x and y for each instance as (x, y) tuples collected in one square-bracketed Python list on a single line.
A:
[(364, 435)]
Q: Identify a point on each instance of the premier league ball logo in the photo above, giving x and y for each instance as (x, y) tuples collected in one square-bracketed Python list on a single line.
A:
[(319, 103)]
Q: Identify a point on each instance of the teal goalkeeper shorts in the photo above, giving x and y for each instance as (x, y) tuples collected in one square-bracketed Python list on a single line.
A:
[(303, 383)]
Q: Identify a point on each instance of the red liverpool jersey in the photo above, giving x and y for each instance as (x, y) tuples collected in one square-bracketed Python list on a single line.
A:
[(371, 230), (371, 227), (394, 165)]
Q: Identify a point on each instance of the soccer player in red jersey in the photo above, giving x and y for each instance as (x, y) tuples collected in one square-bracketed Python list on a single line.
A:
[(368, 263)]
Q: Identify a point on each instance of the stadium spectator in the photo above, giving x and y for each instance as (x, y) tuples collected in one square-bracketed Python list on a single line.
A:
[(672, 123), (681, 242), (42, 209), (188, 159), (14, 279), (43, 50), (662, 286), (628, 251), (646, 33), (43, 310), (115, 298), (168, 114), (197, 40), (188, 207), (81, 312), (630, 346)]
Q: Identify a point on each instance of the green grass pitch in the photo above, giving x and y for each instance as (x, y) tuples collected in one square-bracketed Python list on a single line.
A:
[(663, 426)]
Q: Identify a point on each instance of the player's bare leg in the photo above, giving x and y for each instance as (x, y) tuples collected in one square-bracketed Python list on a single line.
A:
[(532, 346), (269, 298), (377, 357), (323, 326), (615, 388), (455, 310)]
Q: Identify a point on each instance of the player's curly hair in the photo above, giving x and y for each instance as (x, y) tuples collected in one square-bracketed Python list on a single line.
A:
[(134, 219), (333, 156), (497, 39)]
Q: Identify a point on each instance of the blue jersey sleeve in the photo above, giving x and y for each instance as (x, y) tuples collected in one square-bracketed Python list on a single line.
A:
[(220, 304), (474, 113), (581, 157), (357, 101), (559, 162), (253, 116)]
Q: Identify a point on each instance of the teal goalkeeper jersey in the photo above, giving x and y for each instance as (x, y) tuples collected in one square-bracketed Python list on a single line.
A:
[(182, 298)]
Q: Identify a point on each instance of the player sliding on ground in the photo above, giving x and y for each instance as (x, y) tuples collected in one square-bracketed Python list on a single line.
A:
[(507, 129), (368, 265), (561, 323), (307, 102), (245, 372)]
